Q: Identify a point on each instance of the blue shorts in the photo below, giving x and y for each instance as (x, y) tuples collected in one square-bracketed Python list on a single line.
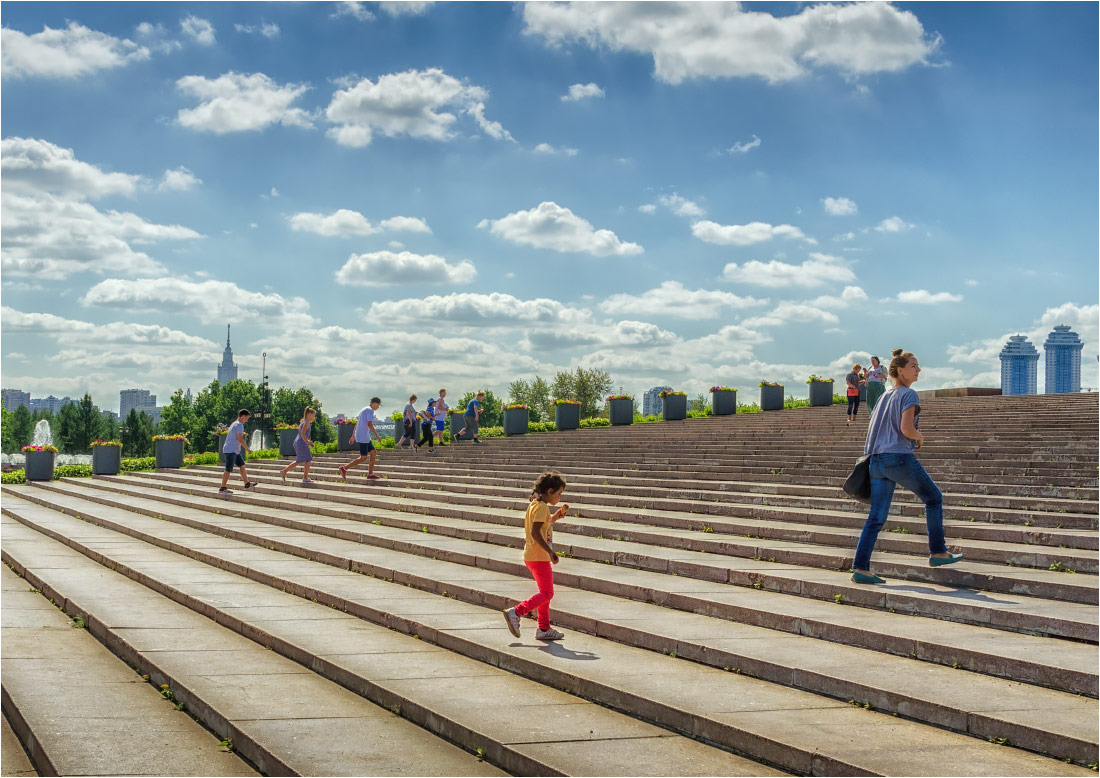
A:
[(233, 458), (366, 448), (439, 426)]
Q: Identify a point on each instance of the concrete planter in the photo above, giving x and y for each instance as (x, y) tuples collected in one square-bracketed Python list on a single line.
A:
[(515, 421), (106, 460), (723, 403), (456, 421), (344, 440), (821, 393), (567, 417), (286, 442), (39, 466), (674, 407), (168, 453), (620, 412), (222, 436), (771, 398)]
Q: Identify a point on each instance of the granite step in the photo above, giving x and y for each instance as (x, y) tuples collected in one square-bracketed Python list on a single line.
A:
[(689, 554), (14, 761), (990, 576), (78, 709), (934, 694), (489, 711), (795, 729)]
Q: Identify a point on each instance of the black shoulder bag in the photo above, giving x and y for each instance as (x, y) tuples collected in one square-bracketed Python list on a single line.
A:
[(858, 484)]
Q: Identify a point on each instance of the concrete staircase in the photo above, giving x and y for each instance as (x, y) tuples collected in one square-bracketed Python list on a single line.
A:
[(355, 628)]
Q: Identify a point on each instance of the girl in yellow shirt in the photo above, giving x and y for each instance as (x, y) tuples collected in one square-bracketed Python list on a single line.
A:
[(539, 555)]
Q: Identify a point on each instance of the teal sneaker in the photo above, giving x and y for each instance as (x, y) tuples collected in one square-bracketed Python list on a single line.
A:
[(868, 579)]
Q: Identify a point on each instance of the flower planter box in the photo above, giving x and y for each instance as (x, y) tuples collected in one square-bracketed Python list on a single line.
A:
[(39, 466), (620, 412), (515, 421), (168, 453), (456, 422), (821, 393), (344, 434), (567, 417), (674, 407), (286, 442), (771, 398), (724, 403), (106, 460)]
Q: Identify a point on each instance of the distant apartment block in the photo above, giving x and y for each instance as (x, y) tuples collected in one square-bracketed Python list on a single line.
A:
[(651, 400), (1019, 367), (13, 398), (140, 399), (51, 404), (1063, 361)]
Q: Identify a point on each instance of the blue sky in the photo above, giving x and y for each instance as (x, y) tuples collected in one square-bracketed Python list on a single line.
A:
[(387, 198)]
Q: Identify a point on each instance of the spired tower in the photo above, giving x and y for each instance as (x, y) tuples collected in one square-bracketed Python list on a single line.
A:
[(227, 370)]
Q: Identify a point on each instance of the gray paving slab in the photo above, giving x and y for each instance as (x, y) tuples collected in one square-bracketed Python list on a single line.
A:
[(13, 759)]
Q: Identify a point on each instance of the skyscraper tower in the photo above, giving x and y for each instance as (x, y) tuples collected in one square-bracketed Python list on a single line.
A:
[(1019, 365), (1063, 360), (227, 370)]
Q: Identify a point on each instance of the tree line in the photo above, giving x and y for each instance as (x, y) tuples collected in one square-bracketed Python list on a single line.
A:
[(588, 386)]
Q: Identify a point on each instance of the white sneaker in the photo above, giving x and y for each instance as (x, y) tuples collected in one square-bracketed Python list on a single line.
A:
[(549, 634), (512, 618)]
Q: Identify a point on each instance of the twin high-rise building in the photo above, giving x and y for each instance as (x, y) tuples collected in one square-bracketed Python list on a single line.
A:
[(1020, 361)]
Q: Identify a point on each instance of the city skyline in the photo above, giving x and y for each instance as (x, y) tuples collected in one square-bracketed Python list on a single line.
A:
[(389, 198)]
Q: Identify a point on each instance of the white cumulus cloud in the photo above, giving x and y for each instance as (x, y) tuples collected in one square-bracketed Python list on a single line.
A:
[(546, 148), (723, 40), (477, 310), (64, 53), (681, 206), (179, 180), (405, 7), (672, 299), (743, 147), (552, 226), (839, 206), (745, 234), (236, 102), (582, 91), (893, 224), (344, 222), (204, 300), (405, 224), (385, 268), (198, 29), (415, 103), (924, 297), (266, 29), (818, 270)]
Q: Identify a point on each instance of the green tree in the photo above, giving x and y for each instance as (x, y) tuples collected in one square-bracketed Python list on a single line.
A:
[(86, 425), (177, 418), (204, 410), (535, 394), (137, 435), (66, 432), (289, 405), (700, 403), (586, 386), (491, 415), (7, 431), (234, 396), (22, 427), (110, 428)]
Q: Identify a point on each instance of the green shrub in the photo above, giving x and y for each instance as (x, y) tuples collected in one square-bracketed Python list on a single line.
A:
[(708, 411), (13, 477), (839, 399), (748, 408), (595, 421), (72, 471), (133, 464)]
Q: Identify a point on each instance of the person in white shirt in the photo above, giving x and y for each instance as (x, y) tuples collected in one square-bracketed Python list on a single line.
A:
[(876, 383), (365, 435), (234, 449)]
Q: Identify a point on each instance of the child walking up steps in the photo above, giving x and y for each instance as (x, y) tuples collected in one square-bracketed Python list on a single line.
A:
[(302, 454), (539, 555)]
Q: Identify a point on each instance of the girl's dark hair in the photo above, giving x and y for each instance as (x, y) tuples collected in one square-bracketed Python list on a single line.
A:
[(901, 359), (549, 481)]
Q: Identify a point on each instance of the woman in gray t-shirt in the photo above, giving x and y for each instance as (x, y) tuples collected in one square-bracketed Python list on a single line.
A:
[(892, 438)]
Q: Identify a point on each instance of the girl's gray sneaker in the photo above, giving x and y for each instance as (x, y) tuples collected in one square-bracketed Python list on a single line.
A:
[(548, 634), (512, 618)]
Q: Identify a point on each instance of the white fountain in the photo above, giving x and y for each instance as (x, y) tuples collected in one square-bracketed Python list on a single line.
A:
[(256, 442), (43, 436)]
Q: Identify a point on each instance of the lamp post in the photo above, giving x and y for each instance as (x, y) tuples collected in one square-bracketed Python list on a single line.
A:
[(265, 399)]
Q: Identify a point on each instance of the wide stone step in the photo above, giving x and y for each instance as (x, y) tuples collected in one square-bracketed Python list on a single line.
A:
[(79, 710), (400, 673), (1013, 657), (767, 516), (887, 682), (1061, 584), (813, 733), (13, 759)]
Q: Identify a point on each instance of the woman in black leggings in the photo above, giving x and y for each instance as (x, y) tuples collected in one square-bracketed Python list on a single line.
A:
[(427, 420)]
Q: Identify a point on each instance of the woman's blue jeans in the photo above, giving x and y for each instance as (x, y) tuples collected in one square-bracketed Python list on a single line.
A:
[(887, 470)]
